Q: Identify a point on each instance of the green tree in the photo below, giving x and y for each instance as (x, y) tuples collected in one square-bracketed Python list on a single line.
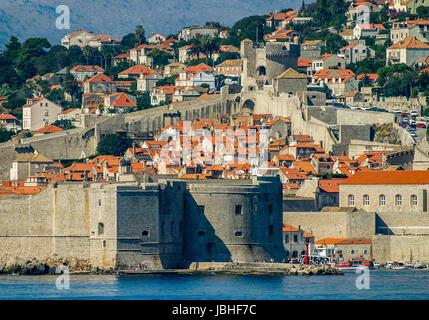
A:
[(227, 56), (160, 57), (113, 144), (168, 81), (423, 12), (5, 135), (140, 34), (210, 45), (397, 80), (252, 28), (129, 41), (143, 101), (65, 124), (8, 74)]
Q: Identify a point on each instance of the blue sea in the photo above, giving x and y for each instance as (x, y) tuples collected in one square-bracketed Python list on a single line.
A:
[(383, 284)]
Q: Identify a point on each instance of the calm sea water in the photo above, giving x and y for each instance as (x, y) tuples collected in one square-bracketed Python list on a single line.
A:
[(403, 284)]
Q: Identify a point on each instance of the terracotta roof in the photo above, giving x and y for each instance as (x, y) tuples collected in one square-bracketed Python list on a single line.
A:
[(289, 228), (330, 186), (417, 22), (410, 43), (50, 129), (281, 34), (33, 157), (304, 166), (99, 78), (230, 63), (291, 74), (330, 74), (137, 70), (82, 68), (69, 110), (31, 102), (371, 76), (6, 116), (371, 26), (404, 177), (284, 157), (198, 68), (312, 42), (123, 100), (304, 62), (343, 241)]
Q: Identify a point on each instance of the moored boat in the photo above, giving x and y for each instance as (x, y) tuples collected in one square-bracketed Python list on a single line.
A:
[(353, 264)]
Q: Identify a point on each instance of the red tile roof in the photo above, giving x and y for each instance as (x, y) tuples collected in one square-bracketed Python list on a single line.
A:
[(198, 68), (388, 178), (50, 129), (123, 100), (343, 241), (137, 70), (6, 116), (99, 78), (82, 68)]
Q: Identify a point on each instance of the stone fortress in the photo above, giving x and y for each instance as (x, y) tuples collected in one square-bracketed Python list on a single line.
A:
[(174, 223), (165, 225)]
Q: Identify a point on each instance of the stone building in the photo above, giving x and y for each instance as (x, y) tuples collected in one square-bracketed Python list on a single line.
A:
[(168, 224), (386, 191), (261, 64), (291, 82), (38, 113)]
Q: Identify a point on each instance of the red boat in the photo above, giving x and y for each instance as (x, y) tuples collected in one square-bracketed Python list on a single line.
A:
[(354, 264)]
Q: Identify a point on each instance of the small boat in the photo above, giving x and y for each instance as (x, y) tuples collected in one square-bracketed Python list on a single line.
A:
[(355, 263), (419, 265)]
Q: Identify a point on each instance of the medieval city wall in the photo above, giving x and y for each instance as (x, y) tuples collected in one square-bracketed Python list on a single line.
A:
[(333, 224), (400, 248)]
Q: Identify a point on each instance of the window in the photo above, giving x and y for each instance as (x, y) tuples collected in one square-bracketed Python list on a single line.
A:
[(351, 200), (352, 251), (295, 238), (104, 243), (270, 209), (238, 210), (382, 200), (100, 228), (238, 233), (145, 233), (365, 251), (398, 200), (99, 202), (366, 200), (286, 238), (270, 230), (414, 201)]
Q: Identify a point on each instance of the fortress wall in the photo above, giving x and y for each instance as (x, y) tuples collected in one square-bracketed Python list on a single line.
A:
[(359, 117), (400, 248), (102, 207), (26, 226), (71, 220), (211, 223), (333, 224), (398, 223), (7, 155)]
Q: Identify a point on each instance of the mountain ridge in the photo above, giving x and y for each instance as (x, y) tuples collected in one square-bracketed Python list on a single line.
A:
[(31, 18)]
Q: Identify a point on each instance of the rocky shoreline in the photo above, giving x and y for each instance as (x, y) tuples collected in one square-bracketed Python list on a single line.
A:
[(57, 265), (48, 266), (269, 269)]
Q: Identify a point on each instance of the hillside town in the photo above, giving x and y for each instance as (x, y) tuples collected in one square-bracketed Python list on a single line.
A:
[(321, 113)]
